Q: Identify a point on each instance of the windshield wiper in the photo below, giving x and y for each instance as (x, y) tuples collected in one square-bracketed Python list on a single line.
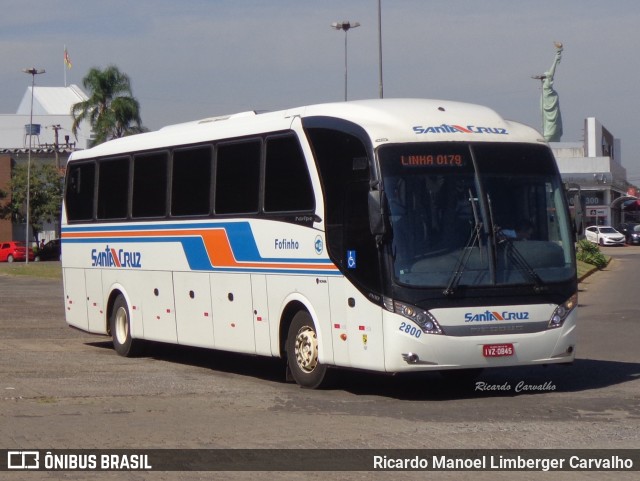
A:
[(500, 239), (463, 258), (516, 257)]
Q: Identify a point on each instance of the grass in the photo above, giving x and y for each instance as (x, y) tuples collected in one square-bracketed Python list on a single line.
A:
[(48, 270), (584, 269)]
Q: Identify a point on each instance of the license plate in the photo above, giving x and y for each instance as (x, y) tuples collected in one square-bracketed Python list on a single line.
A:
[(497, 350)]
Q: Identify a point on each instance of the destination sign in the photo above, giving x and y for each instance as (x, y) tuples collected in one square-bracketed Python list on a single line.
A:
[(432, 160)]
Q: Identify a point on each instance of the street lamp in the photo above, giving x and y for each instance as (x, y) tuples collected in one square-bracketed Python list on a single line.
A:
[(380, 93), (33, 72), (346, 26)]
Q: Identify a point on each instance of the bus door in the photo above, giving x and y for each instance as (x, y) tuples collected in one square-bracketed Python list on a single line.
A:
[(358, 319)]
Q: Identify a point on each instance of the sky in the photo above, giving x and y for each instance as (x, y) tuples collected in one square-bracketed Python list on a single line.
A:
[(191, 59)]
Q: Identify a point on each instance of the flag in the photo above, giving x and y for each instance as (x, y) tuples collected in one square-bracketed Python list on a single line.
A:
[(67, 59)]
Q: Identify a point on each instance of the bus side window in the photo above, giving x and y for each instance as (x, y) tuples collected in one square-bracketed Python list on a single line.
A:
[(80, 191), (113, 188), (287, 183), (149, 185), (191, 181), (238, 177)]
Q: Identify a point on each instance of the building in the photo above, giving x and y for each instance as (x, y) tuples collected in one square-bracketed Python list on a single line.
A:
[(49, 136), (52, 121), (596, 179)]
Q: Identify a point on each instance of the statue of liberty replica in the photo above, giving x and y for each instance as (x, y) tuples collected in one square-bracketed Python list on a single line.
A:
[(550, 103)]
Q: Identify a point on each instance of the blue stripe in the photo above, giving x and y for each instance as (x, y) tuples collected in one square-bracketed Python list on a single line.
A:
[(198, 258), (240, 235)]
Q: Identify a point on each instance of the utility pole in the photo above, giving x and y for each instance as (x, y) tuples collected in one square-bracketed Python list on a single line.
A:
[(56, 145)]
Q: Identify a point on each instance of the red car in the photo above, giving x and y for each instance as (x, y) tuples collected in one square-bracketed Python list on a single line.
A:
[(14, 251)]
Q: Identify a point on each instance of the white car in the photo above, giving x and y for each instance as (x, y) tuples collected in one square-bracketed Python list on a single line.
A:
[(604, 235)]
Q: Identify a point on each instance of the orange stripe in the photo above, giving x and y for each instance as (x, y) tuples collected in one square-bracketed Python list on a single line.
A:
[(216, 244)]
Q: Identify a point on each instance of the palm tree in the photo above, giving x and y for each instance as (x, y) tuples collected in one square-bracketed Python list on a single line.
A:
[(111, 109)]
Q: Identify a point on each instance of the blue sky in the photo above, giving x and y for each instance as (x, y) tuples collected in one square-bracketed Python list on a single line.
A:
[(196, 58)]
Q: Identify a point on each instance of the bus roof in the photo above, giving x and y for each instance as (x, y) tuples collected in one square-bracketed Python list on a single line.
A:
[(384, 120)]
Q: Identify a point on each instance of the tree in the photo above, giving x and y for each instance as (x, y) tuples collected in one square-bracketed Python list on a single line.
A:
[(111, 108), (45, 195)]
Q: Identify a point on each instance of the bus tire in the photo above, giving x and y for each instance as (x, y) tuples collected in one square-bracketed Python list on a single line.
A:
[(120, 328), (302, 352)]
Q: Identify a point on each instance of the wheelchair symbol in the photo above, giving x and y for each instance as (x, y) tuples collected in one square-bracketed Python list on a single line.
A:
[(351, 259)]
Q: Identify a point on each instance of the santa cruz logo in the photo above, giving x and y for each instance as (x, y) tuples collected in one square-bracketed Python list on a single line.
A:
[(109, 257), (452, 129), (495, 316)]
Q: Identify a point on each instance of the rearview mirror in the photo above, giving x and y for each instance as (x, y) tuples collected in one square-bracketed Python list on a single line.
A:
[(376, 219)]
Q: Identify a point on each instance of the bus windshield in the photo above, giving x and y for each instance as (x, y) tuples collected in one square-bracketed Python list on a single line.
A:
[(473, 215)]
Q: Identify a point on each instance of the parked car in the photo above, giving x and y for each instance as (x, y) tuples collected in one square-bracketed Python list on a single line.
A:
[(49, 252), (631, 232), (14, 251), (604, 235)]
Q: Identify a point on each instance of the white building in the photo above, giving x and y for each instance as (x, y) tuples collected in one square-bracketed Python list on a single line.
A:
[(593, 169), (52, 121), (49, 135)]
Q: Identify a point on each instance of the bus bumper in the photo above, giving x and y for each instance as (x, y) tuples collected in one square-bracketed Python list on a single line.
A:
[(410, 351)]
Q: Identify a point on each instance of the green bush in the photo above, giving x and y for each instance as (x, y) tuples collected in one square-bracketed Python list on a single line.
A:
[(590, 253)]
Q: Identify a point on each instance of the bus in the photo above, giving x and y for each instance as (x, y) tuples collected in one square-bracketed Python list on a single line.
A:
[(387, 235)]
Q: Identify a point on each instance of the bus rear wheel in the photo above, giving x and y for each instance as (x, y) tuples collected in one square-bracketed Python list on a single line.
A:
[(302, 352), (120, 328)]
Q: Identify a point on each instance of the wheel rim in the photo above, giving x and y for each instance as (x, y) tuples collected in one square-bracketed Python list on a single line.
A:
[(121, 325), (306, 349)]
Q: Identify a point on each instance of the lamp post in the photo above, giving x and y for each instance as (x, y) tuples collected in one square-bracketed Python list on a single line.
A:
[(346, 26), (380, 89), (33, 72)]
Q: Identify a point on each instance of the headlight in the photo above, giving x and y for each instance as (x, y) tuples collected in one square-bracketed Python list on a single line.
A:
[(422, 318), (562, 312)]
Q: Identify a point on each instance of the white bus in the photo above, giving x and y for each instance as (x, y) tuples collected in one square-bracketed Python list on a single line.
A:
[(389, 235)]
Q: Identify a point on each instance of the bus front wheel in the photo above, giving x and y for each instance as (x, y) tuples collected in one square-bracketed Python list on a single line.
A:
[(120, 327), (302, 352)]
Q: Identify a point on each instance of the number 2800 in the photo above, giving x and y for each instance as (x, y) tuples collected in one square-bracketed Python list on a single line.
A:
[(410, 329)]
